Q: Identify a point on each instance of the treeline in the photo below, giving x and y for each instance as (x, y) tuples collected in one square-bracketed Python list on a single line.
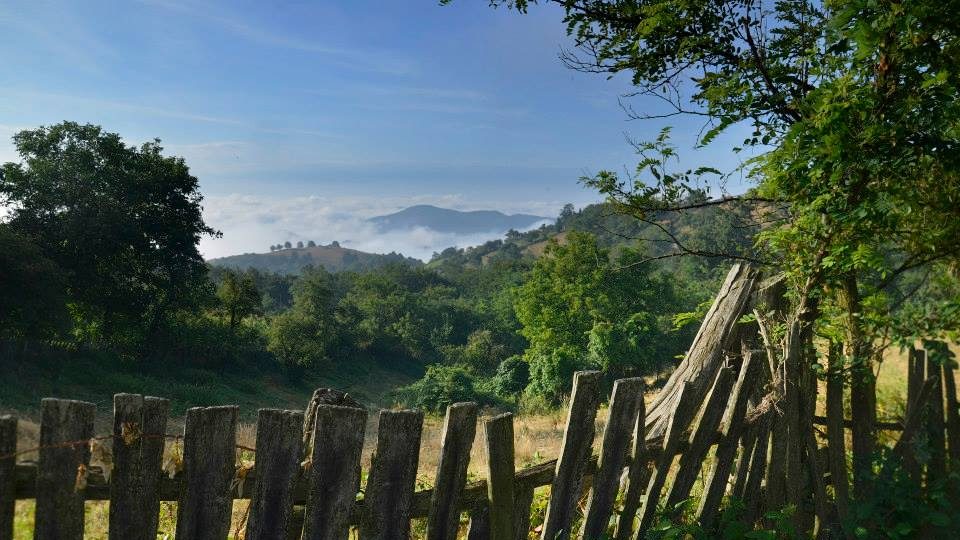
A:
[(99, 256)]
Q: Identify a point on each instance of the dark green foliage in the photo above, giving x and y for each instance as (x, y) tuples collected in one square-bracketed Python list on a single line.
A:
[(32, 292), (239, 297), (122, 222), (512, 376), (442, 386)]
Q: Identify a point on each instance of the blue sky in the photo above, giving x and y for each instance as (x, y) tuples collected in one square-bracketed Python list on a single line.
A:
[(300, 118)]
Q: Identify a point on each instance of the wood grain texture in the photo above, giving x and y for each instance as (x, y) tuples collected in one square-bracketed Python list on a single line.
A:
[(277, 464), (334, 472), (732, 431), (393, 474), (953, 415), (937, 467), (8, 445), (625, 402), (638, 474), (59, 510), (459, 430), (522, 499), (500, 473), (479, 526), (209, 466), (702, 438), (574, 453), (699, 367), (686, 407), (139, 427)]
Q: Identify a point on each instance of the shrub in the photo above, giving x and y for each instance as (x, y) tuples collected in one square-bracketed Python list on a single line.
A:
[(442, 386)]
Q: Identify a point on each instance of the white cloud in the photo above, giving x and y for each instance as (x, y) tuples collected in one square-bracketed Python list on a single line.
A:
[(252, 224)]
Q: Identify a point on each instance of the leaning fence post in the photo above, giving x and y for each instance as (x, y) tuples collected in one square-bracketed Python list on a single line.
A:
[(679, 420), (953, 415), (209, 459), (522, 499), (500, 471), (937, 468), (702, 438), (637, 477), (277, 468), (624, 402), (732, 431), (66, 427), (139, 426), (459, 429), (334, 471), (393, 474), (574, 454), (8, 446)]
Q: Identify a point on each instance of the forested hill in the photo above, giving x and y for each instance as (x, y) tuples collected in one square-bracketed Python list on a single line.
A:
[(332, 257), (445, 220), (706, 231)]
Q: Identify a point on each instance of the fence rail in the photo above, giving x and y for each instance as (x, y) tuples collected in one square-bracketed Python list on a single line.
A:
[(313, 461)]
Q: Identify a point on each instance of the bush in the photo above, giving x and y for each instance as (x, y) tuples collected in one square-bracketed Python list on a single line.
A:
[(551, 372), (513, 375), (442, 386)]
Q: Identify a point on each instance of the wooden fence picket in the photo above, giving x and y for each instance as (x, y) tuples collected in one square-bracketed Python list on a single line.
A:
[(953, 415), (209, 460), (937, 467), (334, 471), (637, 477), (701, 438), (277, 467), (733, 422), (756, 469), (62, 470), (577, 443), (8, 445), (679, 421), (522, 499), (500, 472), (479, 527), (139, 426), (459, 429), (393, 475), (624, 403)]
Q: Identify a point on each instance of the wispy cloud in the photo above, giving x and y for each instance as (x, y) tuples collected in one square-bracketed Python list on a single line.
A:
[(378, 61)]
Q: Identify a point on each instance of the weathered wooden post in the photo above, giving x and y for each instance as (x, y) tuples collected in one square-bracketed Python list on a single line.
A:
[(209, 466), (625, 402), (277, 468), (500, 471), (8, 446), (393, 475), (139, 428), (334, 476), (574, 454), (66, 427), (459, 429)]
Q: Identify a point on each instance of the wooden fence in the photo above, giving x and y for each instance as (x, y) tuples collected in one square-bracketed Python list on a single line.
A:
[(306, 476)]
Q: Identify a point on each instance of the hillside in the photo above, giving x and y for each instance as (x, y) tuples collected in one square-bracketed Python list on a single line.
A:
[(333, 257), (454, 221)]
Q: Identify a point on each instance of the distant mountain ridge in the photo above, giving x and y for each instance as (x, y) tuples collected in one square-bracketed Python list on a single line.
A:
[(446, 220)]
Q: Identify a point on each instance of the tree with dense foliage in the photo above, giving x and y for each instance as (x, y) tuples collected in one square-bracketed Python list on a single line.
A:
[(122, 222), (857, 104), (579, 309), (239, 296), (32, 292)]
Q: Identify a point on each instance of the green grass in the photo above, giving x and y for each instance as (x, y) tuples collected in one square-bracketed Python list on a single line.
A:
[(96, 379)]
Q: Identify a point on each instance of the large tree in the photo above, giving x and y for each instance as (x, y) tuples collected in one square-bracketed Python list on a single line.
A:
[(123, 222), (854, 118)]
